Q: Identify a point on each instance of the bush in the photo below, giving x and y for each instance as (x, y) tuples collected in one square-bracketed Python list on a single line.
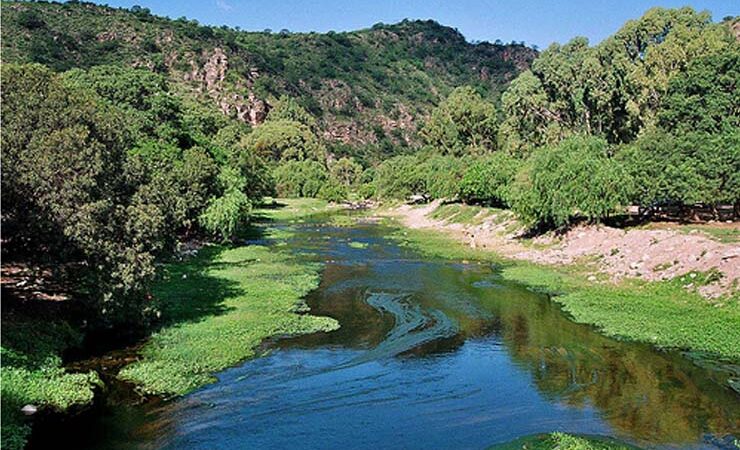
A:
[(345, 171), (225, 214), (424, 173), (399, 177), (576, 178), (442, 175), (300, 178), (684, 170), (333, 192), (489, 179)]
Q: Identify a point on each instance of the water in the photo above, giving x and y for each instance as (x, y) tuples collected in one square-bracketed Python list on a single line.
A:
[(431, 354)]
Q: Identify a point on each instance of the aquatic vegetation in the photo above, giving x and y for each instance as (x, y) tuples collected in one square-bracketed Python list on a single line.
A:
[(563, 441), (31, 374), (664, 314), (222, 304), (358, 245), (413, 326)]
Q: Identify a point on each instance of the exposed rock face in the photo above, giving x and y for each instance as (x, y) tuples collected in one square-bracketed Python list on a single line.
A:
[(402, 120), (242, 101), (346, 132), (214, 71)]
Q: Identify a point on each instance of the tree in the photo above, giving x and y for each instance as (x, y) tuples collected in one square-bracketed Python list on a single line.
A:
[(283, 140), (693, 157), (705, 97), (612, 90), (345, 171), (489, 179), (287, 108), (300, 178), (529, 121), (178, 183), (64, 194), (463, 123), (575, 178), (144, 97), (686, 169), (227, 213)]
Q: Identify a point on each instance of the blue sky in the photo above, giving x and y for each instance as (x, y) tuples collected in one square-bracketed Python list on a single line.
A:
[(538, 22)]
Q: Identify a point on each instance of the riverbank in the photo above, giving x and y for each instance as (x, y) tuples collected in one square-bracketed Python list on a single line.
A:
[(224, 302), (32, 376), (667, 313), (216, 306)]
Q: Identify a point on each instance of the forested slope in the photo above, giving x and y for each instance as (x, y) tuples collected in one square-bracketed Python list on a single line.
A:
[(368, 88)]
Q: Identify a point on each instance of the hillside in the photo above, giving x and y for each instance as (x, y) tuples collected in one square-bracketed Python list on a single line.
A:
[(367, 88)]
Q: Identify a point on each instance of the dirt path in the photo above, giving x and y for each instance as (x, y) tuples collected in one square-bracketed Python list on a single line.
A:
[(647, 254)]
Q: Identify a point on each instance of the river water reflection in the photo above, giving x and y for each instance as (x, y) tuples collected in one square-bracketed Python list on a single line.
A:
[(433, 354)]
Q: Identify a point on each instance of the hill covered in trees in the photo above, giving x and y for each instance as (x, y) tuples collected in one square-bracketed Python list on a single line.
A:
[(369, 89)]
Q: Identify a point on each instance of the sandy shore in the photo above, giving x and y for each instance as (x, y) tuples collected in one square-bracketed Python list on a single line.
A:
[(641, 253)]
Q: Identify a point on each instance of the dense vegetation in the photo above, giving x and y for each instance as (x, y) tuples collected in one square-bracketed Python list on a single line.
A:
[(348, 81), (125, 134), (649, 117)]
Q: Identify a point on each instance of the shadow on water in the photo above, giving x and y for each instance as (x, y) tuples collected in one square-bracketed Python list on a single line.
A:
[(434, 354)]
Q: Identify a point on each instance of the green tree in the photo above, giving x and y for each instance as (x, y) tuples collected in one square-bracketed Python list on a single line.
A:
[(287, 108), (283, 140), (152, 111), (705, 97), (345, 171), (227, 213), (489, 179), (300, 178), (463, 123), (573, 179), (64, 193), (612, 90)]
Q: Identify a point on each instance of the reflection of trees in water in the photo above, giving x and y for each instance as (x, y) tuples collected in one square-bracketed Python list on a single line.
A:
[(362, 326), (642, 393), (657, 397)]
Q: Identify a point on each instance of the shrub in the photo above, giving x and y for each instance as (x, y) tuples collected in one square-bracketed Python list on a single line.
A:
[(225, 214), (489, 179), (423, 173), (399, 177), (300, 178), (576, 178), (682, 170), (333, 192)]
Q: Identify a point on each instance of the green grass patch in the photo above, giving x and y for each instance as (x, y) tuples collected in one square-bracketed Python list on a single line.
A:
[(32, 373), (563, 441), (725, 235), (720, 232), (291, 208), (222, 304), (460, 213), (664, 314)]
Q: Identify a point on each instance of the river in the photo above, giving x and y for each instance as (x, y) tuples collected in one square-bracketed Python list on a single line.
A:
[(431, 354)]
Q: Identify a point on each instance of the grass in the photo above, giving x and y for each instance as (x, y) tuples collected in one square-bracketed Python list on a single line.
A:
[(720, 232), (725, 235), (291, 209), (459, 213), (223, 304), (562, 441), (664, 313), (32, 373)]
